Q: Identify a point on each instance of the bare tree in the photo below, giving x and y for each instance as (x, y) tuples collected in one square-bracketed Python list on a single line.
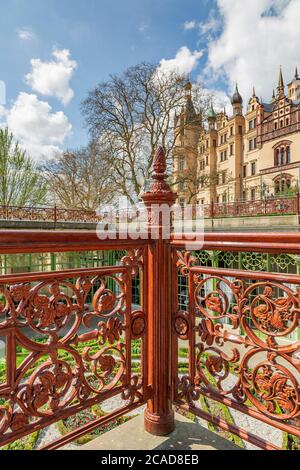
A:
[(78, 179), (130, 115), (21, 182)]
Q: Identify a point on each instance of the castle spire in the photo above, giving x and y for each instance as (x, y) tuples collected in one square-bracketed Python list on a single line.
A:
[(254, 92), (296, 74), (280, 87)]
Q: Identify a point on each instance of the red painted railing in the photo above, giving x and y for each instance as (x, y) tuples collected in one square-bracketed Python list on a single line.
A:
[(241, 329), (77, 328), (273, 206)]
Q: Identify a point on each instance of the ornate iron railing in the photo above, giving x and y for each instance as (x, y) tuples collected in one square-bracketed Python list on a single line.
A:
[(241, 328), (69, 334), (55, 215), (68, 337)]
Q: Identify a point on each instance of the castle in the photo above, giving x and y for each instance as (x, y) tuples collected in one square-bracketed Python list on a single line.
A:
[(246, 156)]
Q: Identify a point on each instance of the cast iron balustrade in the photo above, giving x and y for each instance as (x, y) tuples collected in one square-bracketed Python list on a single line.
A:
[(54, 215), (76, 329)]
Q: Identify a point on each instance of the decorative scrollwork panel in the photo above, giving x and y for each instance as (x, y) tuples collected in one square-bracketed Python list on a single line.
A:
[(241, 329), (69, 342)]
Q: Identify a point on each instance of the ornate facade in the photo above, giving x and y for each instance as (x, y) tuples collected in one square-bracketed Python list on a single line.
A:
[(248, 156)]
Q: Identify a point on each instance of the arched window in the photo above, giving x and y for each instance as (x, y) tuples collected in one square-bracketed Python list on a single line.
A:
[(282, 184), (282, 154)]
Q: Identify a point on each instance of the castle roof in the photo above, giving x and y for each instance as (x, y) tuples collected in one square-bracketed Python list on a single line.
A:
[(236, 98)]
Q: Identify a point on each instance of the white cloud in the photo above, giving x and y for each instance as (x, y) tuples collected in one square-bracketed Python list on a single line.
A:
[(211, 26), (190, 25), (39, 130), (256, 38), (53, 78), (25, 34), (184, 62)]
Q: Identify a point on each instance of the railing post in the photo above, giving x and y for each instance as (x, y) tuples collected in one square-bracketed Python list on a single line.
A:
[(159, 415), (212, 209), (55, 216)]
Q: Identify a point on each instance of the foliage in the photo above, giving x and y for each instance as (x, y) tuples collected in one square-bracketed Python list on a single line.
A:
[(26, 443), (21, 183), (290, 442), (84, 417)]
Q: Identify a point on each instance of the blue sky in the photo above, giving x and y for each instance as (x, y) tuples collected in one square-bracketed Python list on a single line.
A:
[(107, 36)]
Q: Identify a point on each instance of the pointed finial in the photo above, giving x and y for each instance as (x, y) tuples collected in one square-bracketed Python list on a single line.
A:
[(280, 87), (160, 164), (296, 74), (254, 93), (160, 190)]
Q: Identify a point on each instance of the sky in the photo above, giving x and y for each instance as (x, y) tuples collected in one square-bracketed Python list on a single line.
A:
[(54, 51)]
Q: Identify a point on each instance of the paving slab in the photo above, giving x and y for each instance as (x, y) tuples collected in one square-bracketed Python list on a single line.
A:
[(187, 436)]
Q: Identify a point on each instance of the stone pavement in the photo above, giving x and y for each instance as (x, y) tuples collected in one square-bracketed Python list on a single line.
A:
[(187, 436)]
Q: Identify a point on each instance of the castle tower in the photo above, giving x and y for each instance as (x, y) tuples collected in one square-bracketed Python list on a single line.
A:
[(188, 126), (237, 102), (294, 87)]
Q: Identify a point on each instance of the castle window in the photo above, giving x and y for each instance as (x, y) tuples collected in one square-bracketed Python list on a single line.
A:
[(206, 161), (231, 150), (244, 171), (253, 168), (252, 124), (181, 163), (281, 122), (287, 122), (231, 130), (223, 178), (282, 184), (276, 126), (253, 194), (282, 155)]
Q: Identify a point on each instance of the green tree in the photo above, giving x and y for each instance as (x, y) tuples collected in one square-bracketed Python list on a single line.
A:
[(21, 182)]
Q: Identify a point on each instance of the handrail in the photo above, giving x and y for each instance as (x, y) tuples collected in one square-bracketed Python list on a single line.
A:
[(34, 241), (263, 242)]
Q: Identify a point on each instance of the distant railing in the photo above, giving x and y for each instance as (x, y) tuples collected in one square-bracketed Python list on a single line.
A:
[(262, 207), (272, 206), (47, 214)]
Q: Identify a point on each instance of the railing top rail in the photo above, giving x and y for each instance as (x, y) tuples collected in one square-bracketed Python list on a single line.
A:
[(276, 242), (44, 241)]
